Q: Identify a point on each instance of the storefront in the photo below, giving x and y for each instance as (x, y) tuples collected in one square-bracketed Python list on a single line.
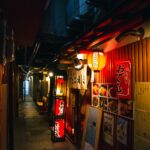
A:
[(121, 89)]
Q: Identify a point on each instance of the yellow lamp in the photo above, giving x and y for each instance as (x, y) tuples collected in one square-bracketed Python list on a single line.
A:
[(96, 60)]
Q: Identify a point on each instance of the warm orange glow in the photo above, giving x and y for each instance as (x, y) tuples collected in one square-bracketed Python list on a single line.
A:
[(111, 45), (59, 84), (96, 61)]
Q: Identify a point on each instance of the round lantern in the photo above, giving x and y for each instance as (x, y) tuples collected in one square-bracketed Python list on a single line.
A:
[(96, 60)]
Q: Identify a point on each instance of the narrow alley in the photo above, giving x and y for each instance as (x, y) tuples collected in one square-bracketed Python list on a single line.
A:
[(31, 130), (74, 74)]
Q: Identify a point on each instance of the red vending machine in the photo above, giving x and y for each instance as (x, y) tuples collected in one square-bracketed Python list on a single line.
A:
[(58, 110)]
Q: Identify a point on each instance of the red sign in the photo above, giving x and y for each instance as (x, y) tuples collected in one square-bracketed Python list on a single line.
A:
[(59, 108), (59, 85), (123, 79), (59, 128)]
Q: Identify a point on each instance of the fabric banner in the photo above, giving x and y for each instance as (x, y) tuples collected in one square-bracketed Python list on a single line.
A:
[(78, 78), (123, 79)]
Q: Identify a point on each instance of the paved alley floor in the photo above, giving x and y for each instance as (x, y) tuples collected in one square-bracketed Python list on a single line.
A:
[(31, 131)]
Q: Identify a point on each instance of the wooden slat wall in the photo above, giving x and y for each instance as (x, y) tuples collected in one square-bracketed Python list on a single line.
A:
[(138, 53), (148, 57)]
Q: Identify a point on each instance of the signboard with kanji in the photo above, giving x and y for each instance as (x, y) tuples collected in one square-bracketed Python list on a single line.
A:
[(123, 79)]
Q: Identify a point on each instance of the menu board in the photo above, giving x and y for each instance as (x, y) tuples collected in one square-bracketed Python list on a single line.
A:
[(91, 133), (142, 116)]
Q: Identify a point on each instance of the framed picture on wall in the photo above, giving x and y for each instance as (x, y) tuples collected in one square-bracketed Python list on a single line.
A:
[(112, 105), (122, 128), (125, 108), (108, 129)]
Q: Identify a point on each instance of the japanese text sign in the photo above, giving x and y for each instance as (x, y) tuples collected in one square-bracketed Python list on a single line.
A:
[(123, 79)]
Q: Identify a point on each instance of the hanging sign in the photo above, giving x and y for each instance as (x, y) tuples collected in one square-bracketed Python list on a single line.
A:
[(96, 60), (78, 78), (123, 79)]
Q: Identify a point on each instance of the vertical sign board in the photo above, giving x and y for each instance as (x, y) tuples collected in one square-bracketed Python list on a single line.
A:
[(91, 133), (142, 116), (123, 79)]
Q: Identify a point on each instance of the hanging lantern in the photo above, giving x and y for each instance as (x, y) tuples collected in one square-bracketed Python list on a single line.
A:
[(96, 60)]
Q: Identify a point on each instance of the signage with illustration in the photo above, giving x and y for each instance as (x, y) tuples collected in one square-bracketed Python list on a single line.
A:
[(123, 79)]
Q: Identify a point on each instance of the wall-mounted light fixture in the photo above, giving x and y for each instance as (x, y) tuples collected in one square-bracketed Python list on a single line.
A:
[(78, 64)]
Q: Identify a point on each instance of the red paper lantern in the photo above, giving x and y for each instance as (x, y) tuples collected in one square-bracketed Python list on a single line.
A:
[(96, 60)]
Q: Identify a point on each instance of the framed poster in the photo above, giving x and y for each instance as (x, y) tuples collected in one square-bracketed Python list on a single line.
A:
[(91, 133), (122, 128), (123, 79), (108, 129)]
